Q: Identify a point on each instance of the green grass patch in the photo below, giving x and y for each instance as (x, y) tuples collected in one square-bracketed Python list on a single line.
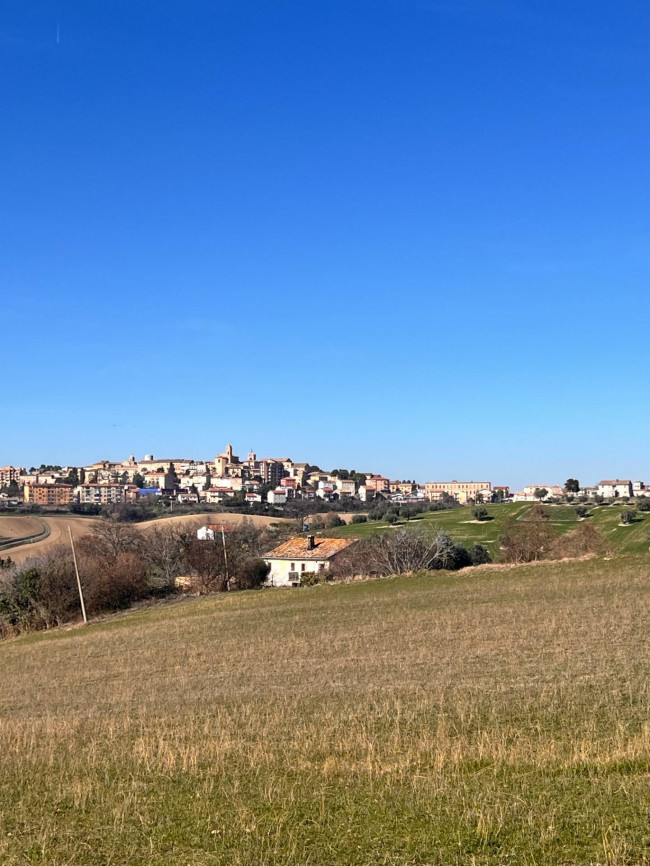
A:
[(461, 525)]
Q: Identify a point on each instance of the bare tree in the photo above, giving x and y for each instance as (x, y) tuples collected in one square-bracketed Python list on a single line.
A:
[(110, 537), (404, 551), (527, 540), (162, 549)]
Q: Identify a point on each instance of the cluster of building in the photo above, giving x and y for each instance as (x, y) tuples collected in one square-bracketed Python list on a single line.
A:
[(274, 479), (607, 489)]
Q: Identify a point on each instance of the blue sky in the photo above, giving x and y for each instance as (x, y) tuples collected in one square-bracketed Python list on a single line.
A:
[(404, 237)]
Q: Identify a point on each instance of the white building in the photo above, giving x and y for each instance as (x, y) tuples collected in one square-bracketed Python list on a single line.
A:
[(215, 495), (553, 491), (521, 496), (212, 530), (278, 496), (300, 555), (614, 489)]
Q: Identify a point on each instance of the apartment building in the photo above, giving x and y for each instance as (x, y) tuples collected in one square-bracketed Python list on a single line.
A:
[(101, 494), (377, 483), (460, 490), (9, 474), (49, 494), (271, 471)]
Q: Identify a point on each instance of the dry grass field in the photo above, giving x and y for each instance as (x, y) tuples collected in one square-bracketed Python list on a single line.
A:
[(231, 518), (486, 717), (18, 527), (21, 526)]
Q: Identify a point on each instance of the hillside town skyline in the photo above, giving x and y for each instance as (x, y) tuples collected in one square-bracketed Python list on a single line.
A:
[(228, 478)]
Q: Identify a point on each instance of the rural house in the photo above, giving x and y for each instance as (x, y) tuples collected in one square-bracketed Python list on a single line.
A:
[(212, 530), (299, 555), (611, 489)]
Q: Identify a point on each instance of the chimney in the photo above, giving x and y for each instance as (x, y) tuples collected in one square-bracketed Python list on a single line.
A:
[(310, 542)]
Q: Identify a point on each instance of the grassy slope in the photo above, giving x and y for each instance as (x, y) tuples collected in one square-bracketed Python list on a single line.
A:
[(459, 523), (491, 717)]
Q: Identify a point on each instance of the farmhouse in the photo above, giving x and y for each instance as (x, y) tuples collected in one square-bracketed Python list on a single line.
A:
[(610, 489), (212, 530), (299, 555)]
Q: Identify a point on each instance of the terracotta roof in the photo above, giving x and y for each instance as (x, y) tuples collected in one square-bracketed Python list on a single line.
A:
[(618, 481), (296, 548)]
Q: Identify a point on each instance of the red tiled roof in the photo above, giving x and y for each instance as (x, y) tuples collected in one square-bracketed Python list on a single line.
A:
[(296, 548)]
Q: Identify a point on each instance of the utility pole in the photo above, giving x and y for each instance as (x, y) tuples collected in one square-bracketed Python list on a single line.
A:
[(76, 570), (225, 554)]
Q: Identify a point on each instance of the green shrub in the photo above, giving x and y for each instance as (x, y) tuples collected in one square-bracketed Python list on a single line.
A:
[(479, 554), (334, 520)]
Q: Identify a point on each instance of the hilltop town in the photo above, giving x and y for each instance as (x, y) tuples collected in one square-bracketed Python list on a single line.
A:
[(254, 483)]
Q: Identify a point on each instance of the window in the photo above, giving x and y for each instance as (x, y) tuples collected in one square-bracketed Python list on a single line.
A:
[(293, 566), (302, 567)]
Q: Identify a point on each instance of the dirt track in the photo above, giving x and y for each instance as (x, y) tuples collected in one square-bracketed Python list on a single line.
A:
[(58, 524)]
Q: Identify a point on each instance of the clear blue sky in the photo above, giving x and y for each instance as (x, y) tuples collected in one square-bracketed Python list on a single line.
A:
[(404, 236)]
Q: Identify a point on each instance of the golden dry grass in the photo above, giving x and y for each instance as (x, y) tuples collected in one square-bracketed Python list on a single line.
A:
[(81, 526), (18, 527), (58, 525), (498, 716), (230, 518)]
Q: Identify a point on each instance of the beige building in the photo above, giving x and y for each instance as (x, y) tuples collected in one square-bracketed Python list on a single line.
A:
[(377, 483), (227, 463), (460, 490), (403, 487), (9, 474)]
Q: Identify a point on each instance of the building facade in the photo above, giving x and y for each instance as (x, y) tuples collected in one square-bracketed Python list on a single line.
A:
[(460, 490), (49, 494), (101, 494), (291, 560)]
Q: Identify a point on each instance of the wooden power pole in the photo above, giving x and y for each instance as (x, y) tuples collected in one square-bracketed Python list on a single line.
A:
[(76, 571)]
